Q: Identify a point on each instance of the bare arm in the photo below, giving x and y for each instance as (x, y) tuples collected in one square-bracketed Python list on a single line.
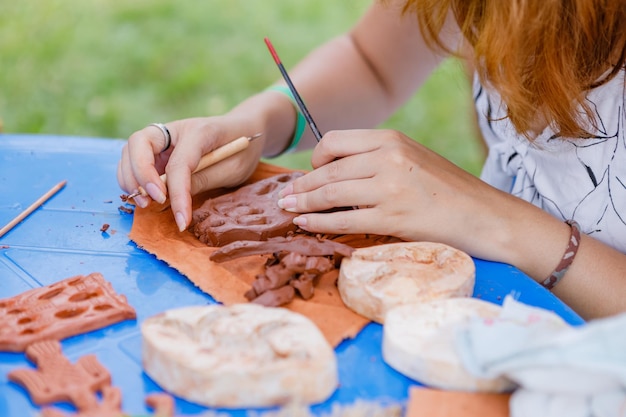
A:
[(355, 80), (360, 78), (534, 241)]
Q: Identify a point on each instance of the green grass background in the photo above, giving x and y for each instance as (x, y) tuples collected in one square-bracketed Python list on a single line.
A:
[(107, 68)]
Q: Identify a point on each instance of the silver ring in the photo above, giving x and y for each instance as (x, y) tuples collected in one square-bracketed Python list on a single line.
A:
[(166, 134)]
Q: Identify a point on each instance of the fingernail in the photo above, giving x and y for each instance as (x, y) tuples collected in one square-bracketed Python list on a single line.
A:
[(181, 222), (141, 201), (287, 203), (155, 192), (300, 221), (286, 191)]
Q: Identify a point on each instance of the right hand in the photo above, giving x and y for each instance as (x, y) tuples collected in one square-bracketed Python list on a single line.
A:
[(142, 162)]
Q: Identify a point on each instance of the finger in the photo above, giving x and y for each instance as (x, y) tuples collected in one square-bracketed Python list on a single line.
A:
[(227, 173), (344, 194), (343, 143), (196, 138), (124, 174), (144, 147), (191, 144), (127, 181), (178, 172), (348, 168), (365, 220)]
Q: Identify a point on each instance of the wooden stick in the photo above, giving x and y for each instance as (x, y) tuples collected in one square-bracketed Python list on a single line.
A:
[(32, 207), (219, 154)]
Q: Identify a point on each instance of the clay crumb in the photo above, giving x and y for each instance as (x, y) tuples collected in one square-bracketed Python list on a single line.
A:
[(104, 228)]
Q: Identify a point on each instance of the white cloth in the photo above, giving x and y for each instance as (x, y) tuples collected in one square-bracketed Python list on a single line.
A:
[(579, 179), (560, 370)]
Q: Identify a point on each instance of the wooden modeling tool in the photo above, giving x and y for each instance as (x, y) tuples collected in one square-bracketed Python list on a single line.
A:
[(32, 207), (211, 158)]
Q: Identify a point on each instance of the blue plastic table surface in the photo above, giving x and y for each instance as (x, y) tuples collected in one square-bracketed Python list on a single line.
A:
[(63, 238)]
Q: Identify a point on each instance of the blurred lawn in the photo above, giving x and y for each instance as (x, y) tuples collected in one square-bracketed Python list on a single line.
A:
[(107, 68)]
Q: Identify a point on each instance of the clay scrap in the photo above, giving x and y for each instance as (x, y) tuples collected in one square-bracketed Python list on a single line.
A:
[(294, 267), (66, 308), (286, 274), (249, 213)]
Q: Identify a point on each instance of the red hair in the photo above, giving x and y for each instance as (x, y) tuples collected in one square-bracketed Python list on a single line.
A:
[(542, 56)]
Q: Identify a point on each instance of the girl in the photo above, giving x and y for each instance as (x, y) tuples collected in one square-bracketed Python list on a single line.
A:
[(549, 88)]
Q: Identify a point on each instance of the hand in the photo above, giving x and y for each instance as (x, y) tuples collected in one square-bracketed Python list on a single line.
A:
[(142, 162), (402, 189)]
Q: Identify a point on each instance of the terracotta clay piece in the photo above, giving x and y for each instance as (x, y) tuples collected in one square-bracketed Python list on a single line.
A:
[(249, 213), (296, 262), (56, 379), (66, 308), (286, 274), (161, 403), (110, 406), (302, 244)]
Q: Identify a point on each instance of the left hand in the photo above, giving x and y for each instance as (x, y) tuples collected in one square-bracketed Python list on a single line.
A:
[(142, 161), (402, 189)]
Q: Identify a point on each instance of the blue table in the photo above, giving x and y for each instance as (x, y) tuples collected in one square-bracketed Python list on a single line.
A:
[(63, 239)]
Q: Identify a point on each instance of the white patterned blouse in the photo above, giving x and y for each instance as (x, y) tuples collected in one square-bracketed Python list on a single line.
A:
[(571, 178)]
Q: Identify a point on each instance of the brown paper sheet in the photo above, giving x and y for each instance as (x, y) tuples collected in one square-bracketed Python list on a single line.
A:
[(155, 231)]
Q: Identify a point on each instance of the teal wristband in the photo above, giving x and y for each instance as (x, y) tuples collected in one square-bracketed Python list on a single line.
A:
[(300, 120)]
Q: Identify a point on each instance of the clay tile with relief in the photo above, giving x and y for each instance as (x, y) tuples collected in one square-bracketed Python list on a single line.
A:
[(249, 213), (66, 308)]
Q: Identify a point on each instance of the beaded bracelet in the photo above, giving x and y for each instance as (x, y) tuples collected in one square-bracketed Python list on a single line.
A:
[(568, 256), (300, 120)]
